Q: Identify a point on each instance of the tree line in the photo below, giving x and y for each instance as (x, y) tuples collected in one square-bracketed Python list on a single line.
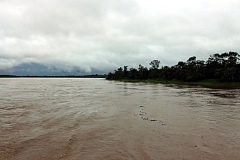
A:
[(223, 67)]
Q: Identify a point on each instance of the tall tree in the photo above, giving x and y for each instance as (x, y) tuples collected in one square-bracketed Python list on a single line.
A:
[(155, 64)]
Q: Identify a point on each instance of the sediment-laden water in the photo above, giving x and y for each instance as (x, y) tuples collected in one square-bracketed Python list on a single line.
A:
[(100, 119)]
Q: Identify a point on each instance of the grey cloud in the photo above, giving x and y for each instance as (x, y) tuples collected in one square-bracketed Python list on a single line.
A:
[(103, 35)]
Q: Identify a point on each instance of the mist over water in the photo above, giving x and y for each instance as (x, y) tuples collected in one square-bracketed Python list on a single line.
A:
[(99, 119)]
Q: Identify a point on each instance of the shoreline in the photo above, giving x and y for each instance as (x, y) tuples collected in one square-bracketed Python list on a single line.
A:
[(204, 83), (85, 76), (208, 83)]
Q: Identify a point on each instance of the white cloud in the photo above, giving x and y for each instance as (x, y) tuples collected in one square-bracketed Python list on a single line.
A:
[(106, 34), (6, 64)]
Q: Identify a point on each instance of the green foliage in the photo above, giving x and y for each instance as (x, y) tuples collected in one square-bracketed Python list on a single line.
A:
[(223, 67), (154, 64)]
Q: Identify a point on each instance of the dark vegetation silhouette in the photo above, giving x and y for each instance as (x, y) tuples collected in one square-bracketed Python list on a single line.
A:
[(66, 76), (223, 67), (6, 76)]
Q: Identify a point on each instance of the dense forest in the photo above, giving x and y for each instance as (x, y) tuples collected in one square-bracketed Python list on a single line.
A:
[(223, 67)]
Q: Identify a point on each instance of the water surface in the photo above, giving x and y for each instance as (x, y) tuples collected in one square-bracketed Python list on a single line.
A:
[(99, 119)]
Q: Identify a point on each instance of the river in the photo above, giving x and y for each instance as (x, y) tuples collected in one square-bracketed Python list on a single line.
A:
[(44, 118)]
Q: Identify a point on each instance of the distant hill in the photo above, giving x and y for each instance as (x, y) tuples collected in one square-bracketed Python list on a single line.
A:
[(36, 69)]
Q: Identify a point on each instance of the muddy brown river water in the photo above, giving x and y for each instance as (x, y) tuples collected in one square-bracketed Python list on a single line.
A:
[(99, 119)]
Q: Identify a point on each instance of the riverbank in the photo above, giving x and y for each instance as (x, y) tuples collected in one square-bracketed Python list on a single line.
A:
[(70, 76), (209, 83)]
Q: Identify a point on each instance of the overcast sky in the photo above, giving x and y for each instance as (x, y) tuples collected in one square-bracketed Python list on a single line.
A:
[(106, 34)]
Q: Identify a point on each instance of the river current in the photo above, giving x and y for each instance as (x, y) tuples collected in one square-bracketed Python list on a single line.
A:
[(53, 118)]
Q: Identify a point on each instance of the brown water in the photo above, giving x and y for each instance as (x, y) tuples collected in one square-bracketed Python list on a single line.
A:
[(99, 119)]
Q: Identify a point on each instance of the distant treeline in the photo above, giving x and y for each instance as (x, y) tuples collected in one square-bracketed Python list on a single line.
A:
[(67, 76), (223, 67), (7, 76)]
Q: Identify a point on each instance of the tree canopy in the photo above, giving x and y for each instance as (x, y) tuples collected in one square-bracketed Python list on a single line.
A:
[(224, 67)]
